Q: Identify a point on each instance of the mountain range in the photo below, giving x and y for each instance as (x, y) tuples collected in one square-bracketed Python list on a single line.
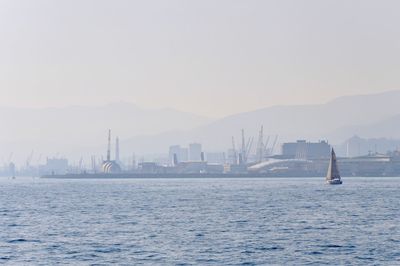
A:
[(80, 131), (374, 115), (72, 130)]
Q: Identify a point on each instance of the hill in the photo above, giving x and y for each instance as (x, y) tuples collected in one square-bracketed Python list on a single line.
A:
[(335, 121)]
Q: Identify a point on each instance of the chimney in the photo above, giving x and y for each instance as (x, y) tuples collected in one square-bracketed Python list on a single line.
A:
[(117, 149), (109, 146)]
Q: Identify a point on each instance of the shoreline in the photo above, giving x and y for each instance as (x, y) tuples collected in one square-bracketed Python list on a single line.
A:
[(187, 176)]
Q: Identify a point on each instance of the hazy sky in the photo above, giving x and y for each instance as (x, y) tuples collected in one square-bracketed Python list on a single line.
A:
[(211, 57)]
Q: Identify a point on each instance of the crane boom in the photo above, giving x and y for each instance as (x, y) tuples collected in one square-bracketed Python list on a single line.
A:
[(273, 145), (234, 159)]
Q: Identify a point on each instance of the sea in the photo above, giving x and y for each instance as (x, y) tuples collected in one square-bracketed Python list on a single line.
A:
[(200, 221)]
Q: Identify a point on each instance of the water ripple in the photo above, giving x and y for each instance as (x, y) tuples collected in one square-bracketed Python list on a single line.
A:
[(199, 221)]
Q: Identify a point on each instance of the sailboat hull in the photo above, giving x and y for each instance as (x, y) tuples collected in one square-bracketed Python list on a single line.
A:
[(334, 182)]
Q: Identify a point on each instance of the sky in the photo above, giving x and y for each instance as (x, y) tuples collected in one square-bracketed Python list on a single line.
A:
[(209, 57)]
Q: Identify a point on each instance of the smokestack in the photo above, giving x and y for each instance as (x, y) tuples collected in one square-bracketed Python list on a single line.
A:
[(109, 146), (117, 149)]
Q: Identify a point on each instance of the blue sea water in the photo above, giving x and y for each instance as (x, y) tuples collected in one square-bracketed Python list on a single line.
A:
[(290, 221)]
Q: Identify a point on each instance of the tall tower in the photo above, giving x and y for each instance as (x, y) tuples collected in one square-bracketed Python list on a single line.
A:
[(260, 145), (109, 146), (243, 151), (117, 149)]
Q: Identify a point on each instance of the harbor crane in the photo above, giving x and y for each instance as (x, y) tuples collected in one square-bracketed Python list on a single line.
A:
[(243, 151), (38, 160), (234, 155), (246, 147), (29, 159), (266, 146), (274, 145)]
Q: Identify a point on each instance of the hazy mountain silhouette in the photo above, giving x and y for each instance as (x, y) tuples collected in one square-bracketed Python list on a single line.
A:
[(334, 121), (388, 128), (356, 146), (61, 130), (76, 131)]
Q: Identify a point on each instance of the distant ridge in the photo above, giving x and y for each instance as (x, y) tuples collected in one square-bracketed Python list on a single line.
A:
[(77, 129), (314, 122), (80, 131)]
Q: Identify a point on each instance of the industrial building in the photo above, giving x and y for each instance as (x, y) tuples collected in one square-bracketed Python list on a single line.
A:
[(216, 157), (195, 152), (177, 154), (150, 168), (306, 150), (57, 166), (300, 158)]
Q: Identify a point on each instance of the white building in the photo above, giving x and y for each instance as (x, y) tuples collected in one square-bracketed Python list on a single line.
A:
[(181, 154), (195, 151)]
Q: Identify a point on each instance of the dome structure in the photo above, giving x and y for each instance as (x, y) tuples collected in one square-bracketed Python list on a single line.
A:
[(110, 167)]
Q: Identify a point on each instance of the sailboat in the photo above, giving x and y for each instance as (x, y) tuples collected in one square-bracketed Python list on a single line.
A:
[(333, 176)]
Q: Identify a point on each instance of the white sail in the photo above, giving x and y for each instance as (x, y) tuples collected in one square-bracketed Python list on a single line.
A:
[(333, 170)]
